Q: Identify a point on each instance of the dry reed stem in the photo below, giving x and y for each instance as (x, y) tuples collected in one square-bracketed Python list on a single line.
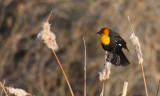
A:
[(49, 16), (145, 85), (102, 92), (158, 88), (124, 93), (63, 72), (3, 88), (136, 44), (84, 67)]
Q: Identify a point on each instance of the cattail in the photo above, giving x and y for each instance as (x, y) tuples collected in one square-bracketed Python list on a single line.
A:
[(17, 91), (105, 73), (50, 40), (48, 37), (137, 47), (134, 39)]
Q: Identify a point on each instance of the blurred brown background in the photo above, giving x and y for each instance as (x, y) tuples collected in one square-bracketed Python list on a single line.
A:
[(27, 63)]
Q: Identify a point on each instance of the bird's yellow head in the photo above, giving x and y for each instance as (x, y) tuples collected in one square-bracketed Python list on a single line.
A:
[(105, 39), (103, 31)]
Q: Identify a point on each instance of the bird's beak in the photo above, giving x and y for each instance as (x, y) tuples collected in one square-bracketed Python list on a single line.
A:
[(99, 32)]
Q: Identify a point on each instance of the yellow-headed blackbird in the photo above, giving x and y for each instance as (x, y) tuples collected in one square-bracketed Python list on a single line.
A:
[(113, 43)]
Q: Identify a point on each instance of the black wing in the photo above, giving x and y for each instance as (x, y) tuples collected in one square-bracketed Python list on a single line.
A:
[(118, 39), (118, 58)]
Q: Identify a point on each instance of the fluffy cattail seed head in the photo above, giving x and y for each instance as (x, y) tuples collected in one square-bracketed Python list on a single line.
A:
[(134, 39), (48, 37)]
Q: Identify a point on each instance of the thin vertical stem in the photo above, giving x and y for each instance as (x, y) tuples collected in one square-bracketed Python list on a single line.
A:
[(102, 92), (84, 67), (145, 85), (124, 93), (49, 16), (63, 72)]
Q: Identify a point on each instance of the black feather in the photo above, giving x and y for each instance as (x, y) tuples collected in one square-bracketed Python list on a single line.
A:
[(118, 58), (114, 59), (123, 59)]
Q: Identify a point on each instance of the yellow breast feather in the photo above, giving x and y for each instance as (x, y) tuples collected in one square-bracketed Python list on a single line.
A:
[(105, 39)]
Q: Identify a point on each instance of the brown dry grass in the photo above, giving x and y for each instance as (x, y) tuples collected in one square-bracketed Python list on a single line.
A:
[(28, 65)]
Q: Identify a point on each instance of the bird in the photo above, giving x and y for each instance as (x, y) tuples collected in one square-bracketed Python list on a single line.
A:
[(113, 43)]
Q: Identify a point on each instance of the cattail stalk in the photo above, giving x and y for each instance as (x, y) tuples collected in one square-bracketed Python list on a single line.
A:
[(3, 89), (85, 76), (49, 39), (105, 73), (124, 93), (102, 91), (135, 41), (63, 72)]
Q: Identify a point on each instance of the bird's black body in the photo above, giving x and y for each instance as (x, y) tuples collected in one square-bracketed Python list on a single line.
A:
[(116, 55), (116, 42)]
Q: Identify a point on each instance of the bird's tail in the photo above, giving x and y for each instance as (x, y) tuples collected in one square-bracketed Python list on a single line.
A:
[(118, 58), (123, 59)]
